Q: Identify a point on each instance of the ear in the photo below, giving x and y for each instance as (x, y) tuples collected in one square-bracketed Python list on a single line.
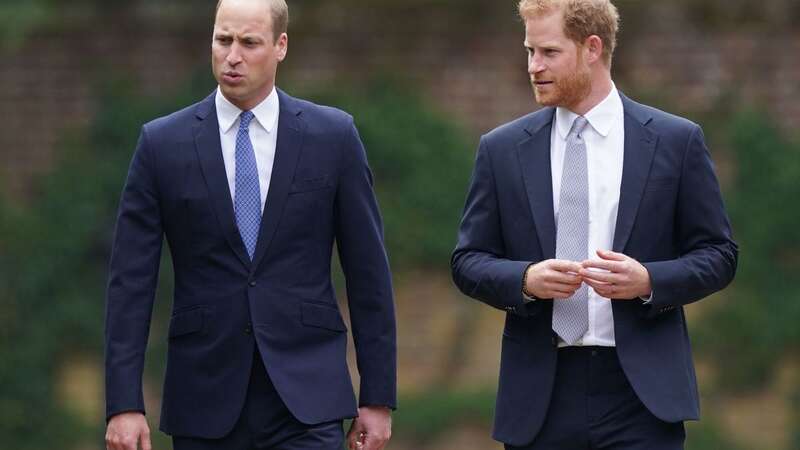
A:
[(593, 46), (283, 46)]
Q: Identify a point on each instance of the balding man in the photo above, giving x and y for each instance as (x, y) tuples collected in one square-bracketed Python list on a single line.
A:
[(251, 188)]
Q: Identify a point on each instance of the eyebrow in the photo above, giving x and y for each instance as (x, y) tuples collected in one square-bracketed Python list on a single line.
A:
[(545, 46), (249, 38)]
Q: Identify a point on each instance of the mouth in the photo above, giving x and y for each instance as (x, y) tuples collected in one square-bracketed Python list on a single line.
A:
[(541, 83), (232, 77)]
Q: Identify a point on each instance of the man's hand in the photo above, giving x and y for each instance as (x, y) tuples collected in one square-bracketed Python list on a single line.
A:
[(616, 276), (371, 430), (125, 431), (553, 278)]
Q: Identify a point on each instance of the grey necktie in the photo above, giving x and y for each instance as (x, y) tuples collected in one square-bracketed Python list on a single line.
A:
[(571, 316)]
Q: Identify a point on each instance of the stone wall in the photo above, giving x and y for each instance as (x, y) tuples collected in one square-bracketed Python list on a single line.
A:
[(469, 62)]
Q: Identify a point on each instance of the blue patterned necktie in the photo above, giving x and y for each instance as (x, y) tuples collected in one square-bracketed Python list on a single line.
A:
[(247, 204), (571, 315)]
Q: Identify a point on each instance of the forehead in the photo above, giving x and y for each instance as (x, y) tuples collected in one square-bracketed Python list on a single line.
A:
[(244, 16), (545, 30)]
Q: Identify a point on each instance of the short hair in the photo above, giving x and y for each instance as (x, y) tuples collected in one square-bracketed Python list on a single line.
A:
[(280, 16), (582, 18)]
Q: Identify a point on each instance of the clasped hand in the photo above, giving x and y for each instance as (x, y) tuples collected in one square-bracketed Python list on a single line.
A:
[(371, 430), (612, 275)]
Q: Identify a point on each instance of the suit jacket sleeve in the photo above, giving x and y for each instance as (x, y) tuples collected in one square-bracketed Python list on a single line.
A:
[(479, 266), (359, 238), (708, 254), (133, 274)]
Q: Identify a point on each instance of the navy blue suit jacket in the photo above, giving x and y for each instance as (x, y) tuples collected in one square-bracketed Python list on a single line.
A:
[(671, 218), (224, 304)]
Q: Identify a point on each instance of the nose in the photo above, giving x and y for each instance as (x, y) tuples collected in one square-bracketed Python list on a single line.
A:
[(535, 64), (234, 56)]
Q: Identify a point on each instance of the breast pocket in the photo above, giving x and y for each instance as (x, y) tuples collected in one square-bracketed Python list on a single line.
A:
[(311, 184)]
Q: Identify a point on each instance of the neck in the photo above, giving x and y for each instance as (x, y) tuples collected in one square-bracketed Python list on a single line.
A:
[(601, 87), (250, 103)]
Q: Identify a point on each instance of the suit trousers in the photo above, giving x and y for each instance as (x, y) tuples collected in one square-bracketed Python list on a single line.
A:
[(266, 424), (594, 407)]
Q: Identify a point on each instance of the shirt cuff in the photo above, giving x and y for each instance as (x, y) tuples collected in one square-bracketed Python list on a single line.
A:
[(647, 300)]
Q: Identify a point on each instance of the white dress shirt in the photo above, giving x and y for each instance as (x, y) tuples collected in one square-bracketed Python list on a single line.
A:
[(605, 144), (263, 135)]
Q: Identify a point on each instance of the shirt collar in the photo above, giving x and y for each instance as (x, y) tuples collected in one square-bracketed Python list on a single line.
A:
[(602, 117), (266, 112)]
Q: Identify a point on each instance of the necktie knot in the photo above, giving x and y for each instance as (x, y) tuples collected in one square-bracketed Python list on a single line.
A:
[(244, 120), (578, 125)]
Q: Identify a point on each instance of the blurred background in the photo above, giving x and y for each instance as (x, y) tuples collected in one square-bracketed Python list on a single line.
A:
[(424, 79)]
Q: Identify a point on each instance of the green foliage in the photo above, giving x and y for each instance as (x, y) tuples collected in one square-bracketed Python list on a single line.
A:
[(427, 415), (54, 258), (421, 164), (739, 15), (750, 334), (758, 320), (707, 435), (18, 19)]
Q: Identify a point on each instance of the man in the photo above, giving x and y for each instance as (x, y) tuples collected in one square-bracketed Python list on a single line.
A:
[(592, 222), (251, 187)]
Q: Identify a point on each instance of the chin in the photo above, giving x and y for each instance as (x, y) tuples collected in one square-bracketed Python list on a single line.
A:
[(546, 100)]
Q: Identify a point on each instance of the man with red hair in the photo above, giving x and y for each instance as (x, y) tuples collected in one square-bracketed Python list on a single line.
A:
[(592, 222)]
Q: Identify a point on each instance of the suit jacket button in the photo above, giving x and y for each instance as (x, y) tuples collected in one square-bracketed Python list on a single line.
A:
[(248, 329), (554, 341), (252, 283)]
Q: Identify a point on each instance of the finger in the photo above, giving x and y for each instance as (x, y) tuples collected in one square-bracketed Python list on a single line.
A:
[(601, 276), (603, 289), (613, 256), (562, 287), (595, 284), (372, 442), (354, 435), (564, 278), (562, 265), (612, 292), (146, 441), (559, 286), (563, 294), (130, 444), (603, 264)]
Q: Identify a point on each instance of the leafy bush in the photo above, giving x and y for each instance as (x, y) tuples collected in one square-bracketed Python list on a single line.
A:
[(421, 163), (758, 320)]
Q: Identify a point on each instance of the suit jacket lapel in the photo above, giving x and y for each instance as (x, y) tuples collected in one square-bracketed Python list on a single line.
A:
[(209, 152), (287, 153), (640, 145), (534, 158)]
